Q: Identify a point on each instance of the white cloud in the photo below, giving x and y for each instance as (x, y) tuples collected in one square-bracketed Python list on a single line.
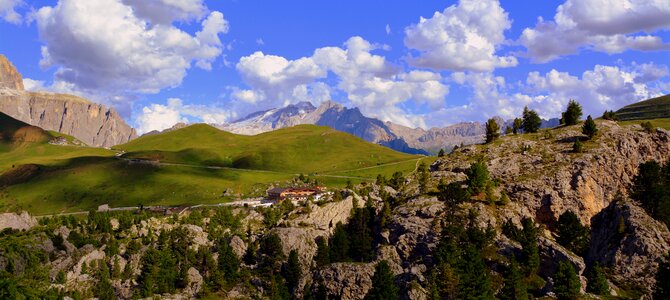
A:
[(108, 46), (368, 80), (160, 117), (600, 89), (598, 25), (166, 11), (8, 11), (260, 42), (462, 37), (388, 29), (33, 85)]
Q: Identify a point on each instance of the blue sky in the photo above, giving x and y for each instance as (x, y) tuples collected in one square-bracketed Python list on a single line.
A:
[(159, 63)]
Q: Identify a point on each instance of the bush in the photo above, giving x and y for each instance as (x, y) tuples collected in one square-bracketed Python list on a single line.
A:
[(648, 127), (589, 128), (531, 121), (572, 114), (610, 115), (492, 131)]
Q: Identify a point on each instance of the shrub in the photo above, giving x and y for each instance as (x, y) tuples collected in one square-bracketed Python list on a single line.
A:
[(609, 115), (648, 127)]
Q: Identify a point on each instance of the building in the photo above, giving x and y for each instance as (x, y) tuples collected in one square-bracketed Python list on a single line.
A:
[(295, 194)]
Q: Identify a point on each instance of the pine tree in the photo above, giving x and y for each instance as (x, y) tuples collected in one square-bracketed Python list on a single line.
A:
[(514, 287), (531, 121), (441, 153), (566, 282), (597, 282), (60, 277), (228, 262), (572, 114), (478, 177), (360, 235), (474, 279), (610, 115), (572, 234), (577, 146), (589, 128), (492, 130), (530, 253), (662, 288), (383, 284), (648, 127), (339, 244), (104, 289), (322, 256), (423, 176), (292, 271), (517, 125)]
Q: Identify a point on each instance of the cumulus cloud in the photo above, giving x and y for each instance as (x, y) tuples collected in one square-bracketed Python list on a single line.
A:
[(462, 37), (598, 25), (8, 11), (119, 47), (160, 117), (600, 89), (370, 83)]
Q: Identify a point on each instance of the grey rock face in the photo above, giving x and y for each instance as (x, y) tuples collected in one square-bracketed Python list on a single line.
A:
[(629, 242), (23, 221), (93, 124), (9, 77), (346, 280)]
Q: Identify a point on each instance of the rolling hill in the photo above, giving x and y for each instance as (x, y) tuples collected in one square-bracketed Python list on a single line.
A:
[(298, 149), (200, 165), (655, 108)]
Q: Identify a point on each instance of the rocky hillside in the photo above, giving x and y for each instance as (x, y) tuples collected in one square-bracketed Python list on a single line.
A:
[(425, 235), (92, 123)]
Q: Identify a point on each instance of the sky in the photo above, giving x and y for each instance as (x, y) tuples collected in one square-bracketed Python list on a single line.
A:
[(416, 63)]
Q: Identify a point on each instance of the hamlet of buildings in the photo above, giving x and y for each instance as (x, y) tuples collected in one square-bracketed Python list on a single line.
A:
[(296, 194)]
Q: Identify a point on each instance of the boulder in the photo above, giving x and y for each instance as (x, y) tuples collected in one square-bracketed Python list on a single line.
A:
[(194, 282), (238, 246), (23, 221), (346, 281)]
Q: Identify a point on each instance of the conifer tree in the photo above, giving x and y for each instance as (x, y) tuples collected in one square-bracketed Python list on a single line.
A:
[(292, 271), (572, 234), (589, 128), (577, 147), (474, 281), (514, 286), (383, 283), (597, 282), (322, 256), (517, 126), (572, 113), (492, 130), (339, 244), (566, 282), (662, 288), (530, 254), (478, 177), (441, 153), (228, 262), (423, 177), (531, 121)]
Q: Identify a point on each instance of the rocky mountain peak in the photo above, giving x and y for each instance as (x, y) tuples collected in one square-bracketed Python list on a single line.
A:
[(9, 77), (93, 124)]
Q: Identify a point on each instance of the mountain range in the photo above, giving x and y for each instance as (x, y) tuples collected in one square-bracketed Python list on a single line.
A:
[(100, 126)]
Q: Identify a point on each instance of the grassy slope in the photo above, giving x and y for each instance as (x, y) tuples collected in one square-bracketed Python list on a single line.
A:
[(662, 123), (80, 178), (304, 148), (654, 108)]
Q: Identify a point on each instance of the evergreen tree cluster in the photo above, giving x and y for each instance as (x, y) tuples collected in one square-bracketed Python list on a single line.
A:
[(571, 234), (651, 187)]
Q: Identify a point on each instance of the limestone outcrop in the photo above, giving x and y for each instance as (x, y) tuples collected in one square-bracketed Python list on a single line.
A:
[(22, 221)]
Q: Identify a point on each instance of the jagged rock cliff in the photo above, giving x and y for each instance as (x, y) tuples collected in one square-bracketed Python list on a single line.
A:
[(94, 124)]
